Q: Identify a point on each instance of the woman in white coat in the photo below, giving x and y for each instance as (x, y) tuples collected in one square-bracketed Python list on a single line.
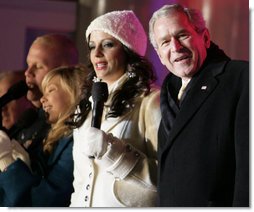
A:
[(122, 171)]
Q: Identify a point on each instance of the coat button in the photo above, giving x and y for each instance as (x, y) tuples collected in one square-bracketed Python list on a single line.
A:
[(90, 174), (86, 198), (128, 148), (137, 154), (87, 187)]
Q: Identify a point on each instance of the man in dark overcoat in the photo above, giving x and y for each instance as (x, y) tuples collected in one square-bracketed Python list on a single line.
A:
[(203, 148)]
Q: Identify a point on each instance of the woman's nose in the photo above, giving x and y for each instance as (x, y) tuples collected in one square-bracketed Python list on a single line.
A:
[(98, 52), (43, 99)]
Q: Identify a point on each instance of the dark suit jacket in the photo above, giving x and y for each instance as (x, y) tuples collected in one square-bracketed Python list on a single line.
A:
[(51, 187), (203, 149)]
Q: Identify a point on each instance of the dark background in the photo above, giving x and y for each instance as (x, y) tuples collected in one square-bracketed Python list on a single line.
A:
[(22, 20)]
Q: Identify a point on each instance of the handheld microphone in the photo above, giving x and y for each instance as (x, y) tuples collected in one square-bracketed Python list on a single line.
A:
[(99, 95), (15, 92), (26, 119)]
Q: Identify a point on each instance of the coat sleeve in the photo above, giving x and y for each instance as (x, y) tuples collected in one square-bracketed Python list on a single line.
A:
[(20, 187), (241, 191), (136, 171)]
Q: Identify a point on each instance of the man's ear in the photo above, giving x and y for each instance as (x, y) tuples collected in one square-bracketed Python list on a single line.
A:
[(206, 37)]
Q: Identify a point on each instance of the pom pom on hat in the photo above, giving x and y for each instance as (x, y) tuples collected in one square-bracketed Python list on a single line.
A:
[(124, 26)]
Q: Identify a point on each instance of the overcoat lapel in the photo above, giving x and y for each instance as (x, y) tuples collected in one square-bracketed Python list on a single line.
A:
[(202, 87)]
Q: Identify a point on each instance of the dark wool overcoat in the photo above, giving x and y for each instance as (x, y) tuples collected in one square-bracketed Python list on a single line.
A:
[(203, 148)]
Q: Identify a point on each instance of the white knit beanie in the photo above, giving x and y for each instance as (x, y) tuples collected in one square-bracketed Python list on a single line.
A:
[(124, 26)]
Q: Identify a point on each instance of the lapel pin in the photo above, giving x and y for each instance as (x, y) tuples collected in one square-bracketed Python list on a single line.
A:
[(204, 87)]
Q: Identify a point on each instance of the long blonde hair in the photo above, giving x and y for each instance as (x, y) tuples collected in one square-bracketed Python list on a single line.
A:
[(71, 80)]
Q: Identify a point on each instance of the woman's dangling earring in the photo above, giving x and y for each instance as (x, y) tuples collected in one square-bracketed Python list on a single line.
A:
[(130, 73)]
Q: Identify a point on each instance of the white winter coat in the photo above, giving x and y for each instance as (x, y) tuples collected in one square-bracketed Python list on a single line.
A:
[(126, 175)]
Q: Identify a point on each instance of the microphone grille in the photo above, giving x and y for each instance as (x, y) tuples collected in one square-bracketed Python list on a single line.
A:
[(18, 90), (100, 91)]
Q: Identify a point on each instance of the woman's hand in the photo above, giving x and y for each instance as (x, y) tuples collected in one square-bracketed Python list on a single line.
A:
[(92, 142)]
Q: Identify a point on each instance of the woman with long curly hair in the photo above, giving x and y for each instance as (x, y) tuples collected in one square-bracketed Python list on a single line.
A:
[(116, 165)]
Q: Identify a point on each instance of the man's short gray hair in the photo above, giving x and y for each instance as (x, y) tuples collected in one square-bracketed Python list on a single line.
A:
[(194, 16)]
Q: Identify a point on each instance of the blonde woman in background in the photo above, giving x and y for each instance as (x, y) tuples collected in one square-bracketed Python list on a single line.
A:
[(49, 183)]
